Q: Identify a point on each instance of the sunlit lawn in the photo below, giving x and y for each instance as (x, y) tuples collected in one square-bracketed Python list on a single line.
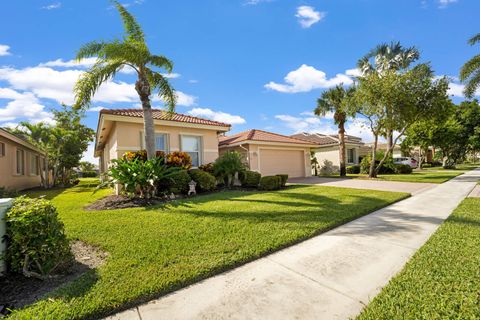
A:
[(155, 250)]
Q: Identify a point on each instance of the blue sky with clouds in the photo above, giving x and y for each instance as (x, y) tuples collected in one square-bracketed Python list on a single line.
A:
[(253, 63)]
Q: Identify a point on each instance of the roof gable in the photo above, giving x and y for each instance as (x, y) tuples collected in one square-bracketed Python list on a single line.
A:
[(260, 135)]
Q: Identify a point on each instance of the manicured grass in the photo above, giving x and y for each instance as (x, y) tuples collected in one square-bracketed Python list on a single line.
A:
[(159, 249), (459, 167), (442, 280), (416, 176)]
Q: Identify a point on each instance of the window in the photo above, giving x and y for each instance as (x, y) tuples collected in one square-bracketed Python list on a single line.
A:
[(192, 146), (351, 155), (20, 162), (2, 149), (34, 165), (161, 142)]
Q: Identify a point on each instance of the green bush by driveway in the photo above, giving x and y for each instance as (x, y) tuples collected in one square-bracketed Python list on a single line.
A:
[(442, 280), (155, 250)]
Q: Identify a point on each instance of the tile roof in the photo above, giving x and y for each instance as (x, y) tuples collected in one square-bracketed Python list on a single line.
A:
[(163, 115), (259, 135), (316, 138)]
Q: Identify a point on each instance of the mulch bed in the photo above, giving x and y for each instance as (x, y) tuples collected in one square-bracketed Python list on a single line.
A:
[(17, 291), (121, 202)]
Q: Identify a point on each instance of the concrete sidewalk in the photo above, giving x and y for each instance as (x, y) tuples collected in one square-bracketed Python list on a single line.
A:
[(331, 276), (396, 186)]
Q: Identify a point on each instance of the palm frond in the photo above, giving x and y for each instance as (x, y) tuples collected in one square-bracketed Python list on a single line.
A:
[(474, 39), (469, 67), (130, 24), (90, 49), (91, 80), (472, 85), (161, 62), (126, 51), (165, 90)]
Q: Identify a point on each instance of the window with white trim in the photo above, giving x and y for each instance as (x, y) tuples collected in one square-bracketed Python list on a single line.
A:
[(161, 142), (351, 155), (192, 145), (2, 149), (34, 165), (20, 162)]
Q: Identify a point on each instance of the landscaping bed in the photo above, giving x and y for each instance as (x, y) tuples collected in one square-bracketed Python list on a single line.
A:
[(442, 280), (155, 250)]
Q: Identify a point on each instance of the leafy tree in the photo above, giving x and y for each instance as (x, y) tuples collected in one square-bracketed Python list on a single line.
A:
[(336, 100), (86, 166), (131, 52), (470, 72), (412, 96), (383, 59)]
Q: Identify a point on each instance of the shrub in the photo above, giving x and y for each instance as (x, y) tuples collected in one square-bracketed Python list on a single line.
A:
[(138, 177), (283, 179), (8, 193), (328, 168), (89, 174), (227, 165), (179, 159), (176, 183), (37, 245), (403, 169), (353, 169), (386, 168), (207, 167), (426, 165), (135, 155), (270, 183), (250, 179), (205, 181)]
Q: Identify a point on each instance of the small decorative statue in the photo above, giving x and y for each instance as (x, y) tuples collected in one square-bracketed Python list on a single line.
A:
[(192, 184)]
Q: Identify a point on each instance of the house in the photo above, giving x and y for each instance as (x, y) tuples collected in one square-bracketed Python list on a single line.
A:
[(271, 153), (21, 162), (327, 147), (121, 130)]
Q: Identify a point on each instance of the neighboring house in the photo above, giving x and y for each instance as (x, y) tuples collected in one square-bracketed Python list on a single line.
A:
[(21, 162), (396, 153), (270, 153), (327, 147), (121, 130)]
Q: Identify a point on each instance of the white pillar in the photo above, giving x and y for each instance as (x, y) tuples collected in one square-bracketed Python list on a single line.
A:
[(5, 204)]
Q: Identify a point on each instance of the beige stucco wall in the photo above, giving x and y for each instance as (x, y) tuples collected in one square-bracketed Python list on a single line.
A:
[(8, 167), (254, 151), (126, 136), (331, 154)]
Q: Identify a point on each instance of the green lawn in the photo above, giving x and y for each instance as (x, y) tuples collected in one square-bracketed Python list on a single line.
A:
[(442, 280), (416, 176), (159, 249), (459, 167)]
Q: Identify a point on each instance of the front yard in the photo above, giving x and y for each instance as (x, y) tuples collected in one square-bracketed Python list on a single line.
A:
[(442, 280), (429, 176), (155, 250)]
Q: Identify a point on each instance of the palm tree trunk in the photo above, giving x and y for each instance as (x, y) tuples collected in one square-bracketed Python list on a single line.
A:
[(373, 172), (341, 138), (142, 86)]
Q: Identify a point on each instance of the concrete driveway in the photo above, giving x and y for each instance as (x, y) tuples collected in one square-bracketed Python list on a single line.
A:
[(396, 186)]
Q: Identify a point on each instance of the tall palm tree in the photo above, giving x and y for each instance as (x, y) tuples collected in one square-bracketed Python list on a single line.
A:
[(388, 57), (470, 72), (131, 52), (336, 100)]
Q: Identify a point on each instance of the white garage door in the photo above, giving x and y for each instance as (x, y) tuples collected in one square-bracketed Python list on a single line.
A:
[(275, 161)]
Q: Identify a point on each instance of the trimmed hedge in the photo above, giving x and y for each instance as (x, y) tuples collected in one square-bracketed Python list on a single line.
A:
[(36, 240), (250, 179), (270, 183), (205, 181), (283, 179), (177, 183), (403, 169), (89, 174), (353, 169)]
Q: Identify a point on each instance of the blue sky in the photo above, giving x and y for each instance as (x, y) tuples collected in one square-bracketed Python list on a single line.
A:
[(254, 63)]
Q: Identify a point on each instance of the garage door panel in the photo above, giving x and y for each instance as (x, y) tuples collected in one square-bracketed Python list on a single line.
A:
[(276, 161)]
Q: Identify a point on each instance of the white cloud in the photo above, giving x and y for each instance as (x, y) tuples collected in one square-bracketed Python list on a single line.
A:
[(96, 109), (255, 2), (307, 78), (444, 3), (87, 62), (216, 115), (192, 81), (52, 6), (4, 50), (22, 106), (48, 83), (307, 16), (171, 75), (355, 72)]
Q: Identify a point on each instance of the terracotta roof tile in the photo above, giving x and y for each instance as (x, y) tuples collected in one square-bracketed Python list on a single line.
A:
[(163, 115), (320, 139), (259, 135)]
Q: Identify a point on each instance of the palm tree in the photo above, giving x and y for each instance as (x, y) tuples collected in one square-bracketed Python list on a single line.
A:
[(470, 72), (336, 100), (388, 57), (131, 52)]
